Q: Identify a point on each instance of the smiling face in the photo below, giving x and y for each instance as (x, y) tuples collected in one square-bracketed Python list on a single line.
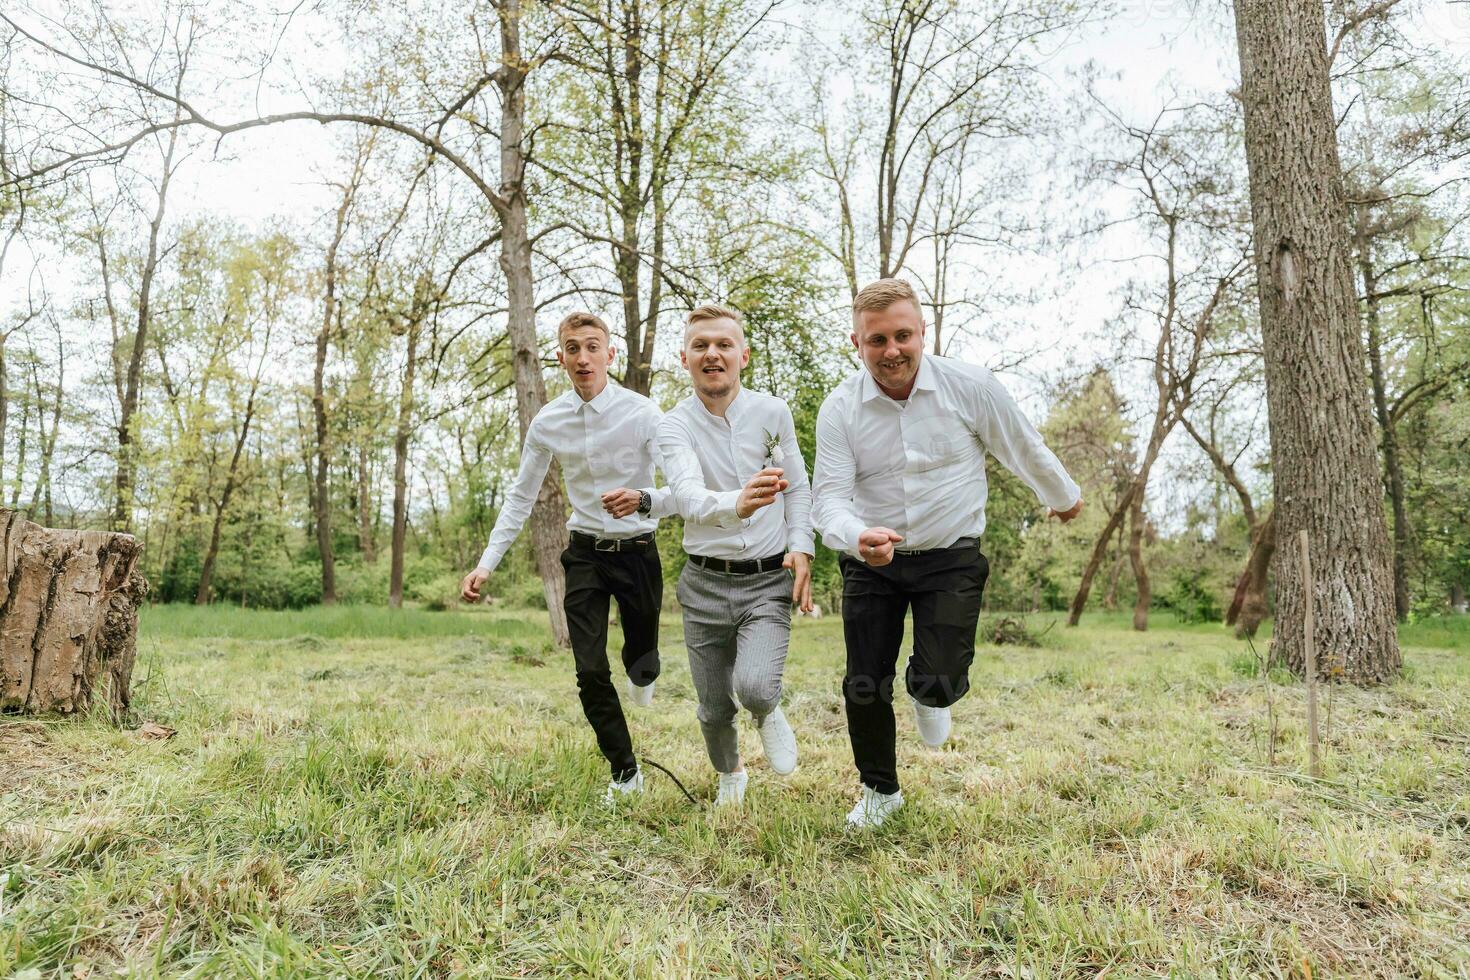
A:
[(891, 343), (585, 354), (714, 352)]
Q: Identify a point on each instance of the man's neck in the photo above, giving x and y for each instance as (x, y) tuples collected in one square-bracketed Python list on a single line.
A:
[(716, 405), (588, 396)]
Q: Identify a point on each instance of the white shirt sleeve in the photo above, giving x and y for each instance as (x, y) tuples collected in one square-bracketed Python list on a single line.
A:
[(661, 498), (799, 491), (1011, 438), (691, 499), (535, 461), (834, 476)]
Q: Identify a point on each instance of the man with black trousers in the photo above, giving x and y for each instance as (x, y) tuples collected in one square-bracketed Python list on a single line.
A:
[(899, 488), (606, 439)]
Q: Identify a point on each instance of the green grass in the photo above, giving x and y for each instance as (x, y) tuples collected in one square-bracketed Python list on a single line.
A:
[(362, 793)]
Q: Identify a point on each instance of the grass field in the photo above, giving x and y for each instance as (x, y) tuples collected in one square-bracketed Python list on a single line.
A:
[(357, 792)]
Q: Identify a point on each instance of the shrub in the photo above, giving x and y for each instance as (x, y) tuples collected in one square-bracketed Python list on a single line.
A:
[(1191, 600)]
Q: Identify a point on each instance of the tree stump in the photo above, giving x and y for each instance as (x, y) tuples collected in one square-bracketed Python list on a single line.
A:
[(68, 618)]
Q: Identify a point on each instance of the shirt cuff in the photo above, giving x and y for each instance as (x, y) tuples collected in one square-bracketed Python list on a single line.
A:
[(489, 560), (801, 541), (843, 534), (725, 516)]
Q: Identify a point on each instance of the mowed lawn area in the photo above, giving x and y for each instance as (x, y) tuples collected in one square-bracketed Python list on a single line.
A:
[(353, 792)]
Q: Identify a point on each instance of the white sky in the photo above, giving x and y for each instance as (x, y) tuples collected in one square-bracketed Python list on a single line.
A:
[(1144, 49)]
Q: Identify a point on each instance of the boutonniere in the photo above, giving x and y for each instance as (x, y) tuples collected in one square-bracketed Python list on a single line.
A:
[(774, 455)]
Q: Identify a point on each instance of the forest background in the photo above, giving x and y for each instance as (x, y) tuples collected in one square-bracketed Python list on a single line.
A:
[(295, 357)]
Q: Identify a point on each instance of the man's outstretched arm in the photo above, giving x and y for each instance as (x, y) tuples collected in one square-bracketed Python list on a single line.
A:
[(1012, 439), (535, 461)]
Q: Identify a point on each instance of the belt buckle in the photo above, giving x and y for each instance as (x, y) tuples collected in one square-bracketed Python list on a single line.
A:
[(610, 543)]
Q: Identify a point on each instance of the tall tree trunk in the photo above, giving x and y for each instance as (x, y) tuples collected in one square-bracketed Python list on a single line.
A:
[(42, 499), (399, 538), (202, 594), (1140, 571), (1322, 446), (122, 511), (1392, 465), (548, 517), (20, 454), (1248, 608), (365, 542), (321, 493), (1110, 600)]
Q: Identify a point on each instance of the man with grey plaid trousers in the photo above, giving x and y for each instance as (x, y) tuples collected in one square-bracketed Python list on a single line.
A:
[(737, 478)]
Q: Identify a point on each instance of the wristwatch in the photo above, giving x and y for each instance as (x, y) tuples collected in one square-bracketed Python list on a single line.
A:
[(645, 501)]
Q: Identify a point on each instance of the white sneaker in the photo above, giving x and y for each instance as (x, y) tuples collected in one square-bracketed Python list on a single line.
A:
[(873, 808), (641, 696), (933, 724), (779, 742), (625, 790), (732, 788)]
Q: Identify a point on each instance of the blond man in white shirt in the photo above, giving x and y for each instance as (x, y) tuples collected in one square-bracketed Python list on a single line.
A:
[(900, 490), (737, 477), (605, 438)]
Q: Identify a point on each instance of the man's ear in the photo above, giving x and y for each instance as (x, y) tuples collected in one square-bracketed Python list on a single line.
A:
[(561, 357), (744, 356), (853, 338), (612, 353), (684, 359)]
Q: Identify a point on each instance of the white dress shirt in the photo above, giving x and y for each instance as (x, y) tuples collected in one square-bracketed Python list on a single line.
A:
[(602, 444), (918, 466), (707, 460)]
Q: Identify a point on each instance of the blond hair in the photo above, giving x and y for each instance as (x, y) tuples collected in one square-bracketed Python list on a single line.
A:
[(580, 319), (880, 295), (713, 311)]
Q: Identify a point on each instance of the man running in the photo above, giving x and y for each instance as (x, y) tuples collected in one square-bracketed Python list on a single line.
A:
[(900, 489), (605, 438), (737, 477)]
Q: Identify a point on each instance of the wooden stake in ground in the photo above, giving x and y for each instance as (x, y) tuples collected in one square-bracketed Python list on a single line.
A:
[(1310, 650), (68, 618)]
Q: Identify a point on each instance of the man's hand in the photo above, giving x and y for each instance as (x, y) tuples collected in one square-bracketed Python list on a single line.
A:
[(1066, 515), (800, 564), (620, 502), (760, 491), (469, 589), (875, 545)]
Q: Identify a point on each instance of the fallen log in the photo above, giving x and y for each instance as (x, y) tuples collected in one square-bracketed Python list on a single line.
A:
[(68, 618)]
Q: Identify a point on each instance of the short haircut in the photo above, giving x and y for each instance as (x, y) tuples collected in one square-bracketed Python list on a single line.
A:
[(880, 295), (713, 311), (580, 319)]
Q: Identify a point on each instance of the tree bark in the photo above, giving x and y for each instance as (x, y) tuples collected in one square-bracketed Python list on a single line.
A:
[(321, 495), (68, 618), (1322, 446), (365, 543), (1140, 571), (399, 539), (122, 512), (1248, 608), (202, 594), (548, 517), (1393, 470)]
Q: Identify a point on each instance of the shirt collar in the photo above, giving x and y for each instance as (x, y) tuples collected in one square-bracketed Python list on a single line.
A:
[(925, 381), (733, 411), (598, 404)]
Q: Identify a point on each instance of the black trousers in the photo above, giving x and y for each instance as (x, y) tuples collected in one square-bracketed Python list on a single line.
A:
[(635, 580), (943, 588)]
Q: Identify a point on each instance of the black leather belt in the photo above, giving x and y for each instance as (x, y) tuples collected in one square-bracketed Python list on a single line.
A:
[(739, 566), (642, 542), (972, 543)]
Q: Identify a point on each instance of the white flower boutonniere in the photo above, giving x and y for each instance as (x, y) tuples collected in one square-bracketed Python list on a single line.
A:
[(774, 455)]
